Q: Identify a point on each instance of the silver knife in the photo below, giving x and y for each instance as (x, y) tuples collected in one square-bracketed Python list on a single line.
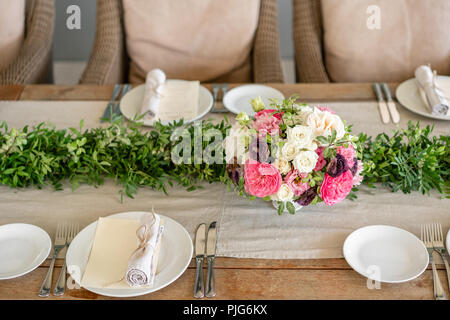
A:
[(381, 104), (210, 256), (200, 242), (391, 104), (216, 89), (110, 107)]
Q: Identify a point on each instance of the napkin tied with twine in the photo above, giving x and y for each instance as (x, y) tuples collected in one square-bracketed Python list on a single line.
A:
[(142, 263)]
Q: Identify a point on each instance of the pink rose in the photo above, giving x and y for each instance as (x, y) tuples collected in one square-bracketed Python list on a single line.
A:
[(323, 108), (294, 181), (321, 162), (261, 179), (267, 123), (348, 153), (357, 177), (269, 112), (334, 190)]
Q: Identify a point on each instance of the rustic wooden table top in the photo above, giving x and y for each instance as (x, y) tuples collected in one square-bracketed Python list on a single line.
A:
[(239, 278)]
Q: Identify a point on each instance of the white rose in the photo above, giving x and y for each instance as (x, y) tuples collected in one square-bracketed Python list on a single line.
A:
[(301, 134), (305, 161), (324, 122), (282, 165), (290, 150), (235, 143), (283, 194)]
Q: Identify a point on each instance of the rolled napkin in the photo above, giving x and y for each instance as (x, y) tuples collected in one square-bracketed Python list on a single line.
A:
[(435, 98), (154, 85), (142, 263)]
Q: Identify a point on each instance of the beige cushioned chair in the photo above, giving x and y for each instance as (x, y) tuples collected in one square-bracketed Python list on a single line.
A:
[(109, 62), (334, 43), (33, 64)]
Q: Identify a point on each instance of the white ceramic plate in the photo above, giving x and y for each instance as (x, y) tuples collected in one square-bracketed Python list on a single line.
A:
[(175, 256), (394, 254), (408, 95), (238, 99), (131, 104), (23, 247)]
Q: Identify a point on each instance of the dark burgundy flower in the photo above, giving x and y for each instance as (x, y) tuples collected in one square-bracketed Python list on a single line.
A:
[(307, 197), (259, 150), (354, 169), (235, 172), (337, 166)]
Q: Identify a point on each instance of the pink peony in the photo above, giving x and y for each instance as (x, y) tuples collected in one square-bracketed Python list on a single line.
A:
[(321, 162), (261, 179), (323, 108), (334, 190), (348, 153), (294, 181), (267, 123)]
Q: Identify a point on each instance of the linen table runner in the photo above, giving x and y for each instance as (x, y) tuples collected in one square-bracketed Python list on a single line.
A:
[(247, 229)]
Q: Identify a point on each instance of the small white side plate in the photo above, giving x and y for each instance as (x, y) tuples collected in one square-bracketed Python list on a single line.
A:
[(238, 99), (408, 95), (23, 247), (175, 256), (131, 104), (385, 253)]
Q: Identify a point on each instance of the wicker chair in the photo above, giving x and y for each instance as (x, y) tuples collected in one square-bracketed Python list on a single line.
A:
[(33, 64), (308, 41), (109, 61)]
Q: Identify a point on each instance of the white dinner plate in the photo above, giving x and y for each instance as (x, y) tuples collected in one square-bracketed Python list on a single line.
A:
[(23, 247), (238, 99), (131, 104), (385, 253), (174, 257), (408, 95)]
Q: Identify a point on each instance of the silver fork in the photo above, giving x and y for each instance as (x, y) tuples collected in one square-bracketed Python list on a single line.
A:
[(438, 244), (60, 242), (60, 288), (110, 107), (427, 238)]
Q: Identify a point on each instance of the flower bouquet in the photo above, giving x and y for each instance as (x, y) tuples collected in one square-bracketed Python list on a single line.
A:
[(292, 154)]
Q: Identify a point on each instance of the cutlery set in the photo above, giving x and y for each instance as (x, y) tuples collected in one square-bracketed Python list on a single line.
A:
[(113, 107), (432, 237), (65, 233), (387, 109), (205, 246), (215, 89)]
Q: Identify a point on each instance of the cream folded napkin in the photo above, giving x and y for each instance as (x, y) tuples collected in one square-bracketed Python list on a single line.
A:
[(115, 244), (154, 84), (435, 98), (169, 100), (180, 99), (142, 264)]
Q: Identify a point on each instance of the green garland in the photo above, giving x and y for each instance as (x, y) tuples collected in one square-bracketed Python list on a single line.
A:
[(409, 160), (130, 156)]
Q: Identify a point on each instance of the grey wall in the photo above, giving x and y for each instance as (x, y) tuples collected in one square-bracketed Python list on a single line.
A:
[(74, 44), (77, 44)]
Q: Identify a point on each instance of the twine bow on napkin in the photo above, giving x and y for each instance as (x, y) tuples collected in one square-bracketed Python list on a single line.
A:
[(142, 263), (154, 85), (430, 92)]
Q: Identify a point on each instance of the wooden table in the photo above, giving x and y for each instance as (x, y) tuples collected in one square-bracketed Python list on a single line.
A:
[(239, 278)]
